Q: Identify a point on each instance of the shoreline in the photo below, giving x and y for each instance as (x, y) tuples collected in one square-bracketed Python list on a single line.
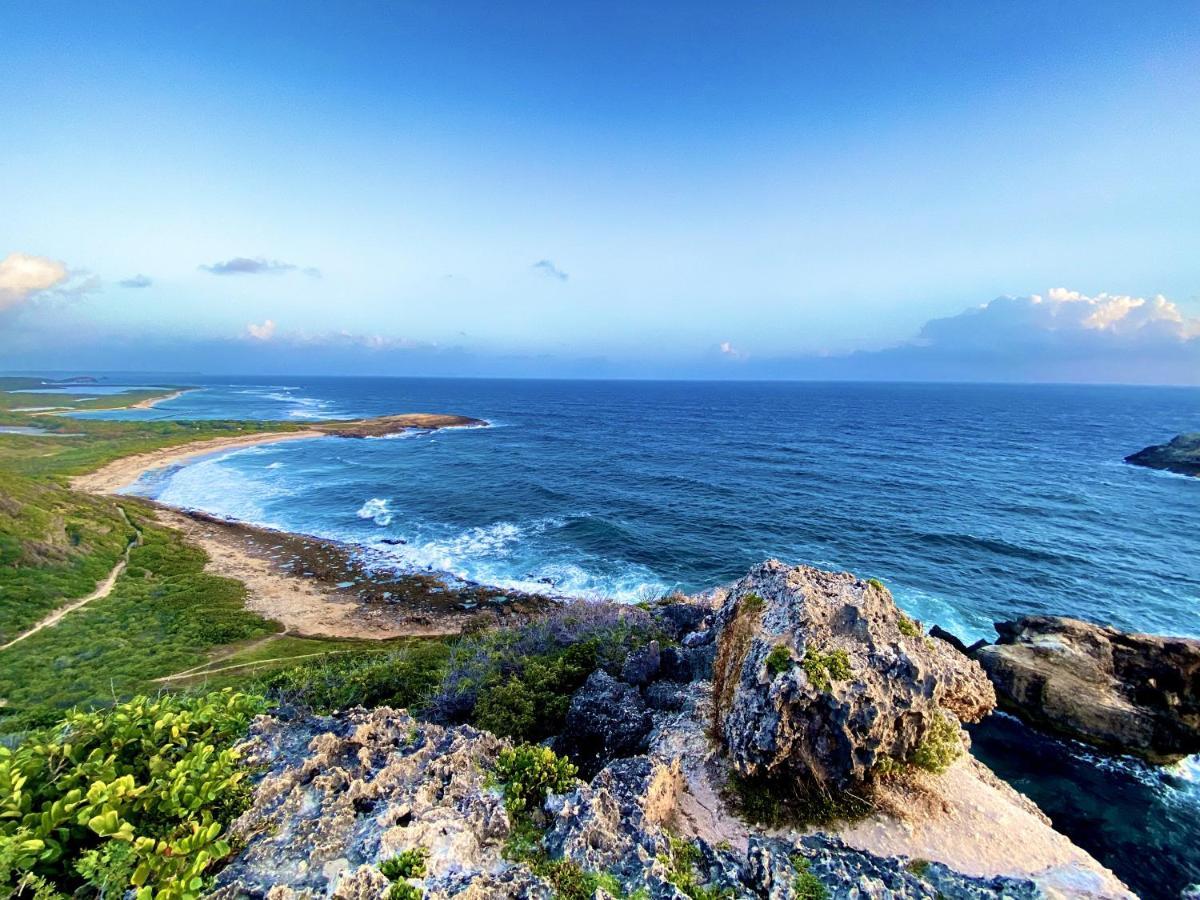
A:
[(315, 587), (151, 402)]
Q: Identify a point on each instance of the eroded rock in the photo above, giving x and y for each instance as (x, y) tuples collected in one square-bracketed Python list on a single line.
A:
[(1133, 693), (819, 676)]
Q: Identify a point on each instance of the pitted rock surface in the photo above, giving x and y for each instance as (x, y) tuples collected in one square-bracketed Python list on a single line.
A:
[(790, 723)]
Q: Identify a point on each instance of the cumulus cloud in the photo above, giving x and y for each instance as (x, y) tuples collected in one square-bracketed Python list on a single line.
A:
[(23, 276), (550, 270), (137, 281), (245, 265), (1063, 318), (263, 332)]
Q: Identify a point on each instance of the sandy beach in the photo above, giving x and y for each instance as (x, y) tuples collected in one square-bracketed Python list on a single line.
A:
[(314, 587), (125, 471), (151, 402)]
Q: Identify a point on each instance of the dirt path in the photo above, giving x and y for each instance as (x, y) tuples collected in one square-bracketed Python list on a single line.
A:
[(103, 589)]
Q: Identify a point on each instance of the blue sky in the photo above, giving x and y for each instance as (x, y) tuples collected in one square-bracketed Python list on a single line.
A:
[(692, 190)]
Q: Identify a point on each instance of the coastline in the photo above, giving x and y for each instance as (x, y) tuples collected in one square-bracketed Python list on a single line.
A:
[(312, 586), (151, 402)]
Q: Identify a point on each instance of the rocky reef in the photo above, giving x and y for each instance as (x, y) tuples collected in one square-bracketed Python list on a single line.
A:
[(793, 676), (1180, 455), (1132, 693)]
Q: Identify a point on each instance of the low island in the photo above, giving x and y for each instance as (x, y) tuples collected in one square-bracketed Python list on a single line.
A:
[(1180, 455)]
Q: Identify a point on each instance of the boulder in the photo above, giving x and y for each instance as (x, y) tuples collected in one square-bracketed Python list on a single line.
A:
[(642, 665), (819, 676), (1132, 693), (677, 618), (606, 720)]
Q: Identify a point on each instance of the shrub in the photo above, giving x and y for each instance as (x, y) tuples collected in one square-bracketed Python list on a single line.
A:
[(408, 864), (877, 584), (919, 867), (779, 659), (682, 863), (136, 796), (528, 774), (806, 885), (777, 801), (402, 890), (908, 627), (825, 668), (940, 746)]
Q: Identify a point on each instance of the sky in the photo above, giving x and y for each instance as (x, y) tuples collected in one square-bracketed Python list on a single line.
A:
[(1005, 191)]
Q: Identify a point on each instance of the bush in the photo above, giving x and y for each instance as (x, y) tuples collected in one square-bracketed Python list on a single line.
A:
[(908, 627), (528, 774), (137, 796), (877, 584), (825, 668), (779, 659), (806, 885), (409, 864), (940, 747)]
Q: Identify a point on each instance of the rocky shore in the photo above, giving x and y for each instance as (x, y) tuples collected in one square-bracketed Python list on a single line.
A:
[(792, 736), (1180, 455)]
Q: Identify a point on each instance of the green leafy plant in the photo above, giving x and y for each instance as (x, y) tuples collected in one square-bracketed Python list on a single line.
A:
[(528, 774), (408, 864), (907, 626), (136, 796), (682, 860), (940, 746), (877, 584), (806, 885), (779, 660), (824, 668)]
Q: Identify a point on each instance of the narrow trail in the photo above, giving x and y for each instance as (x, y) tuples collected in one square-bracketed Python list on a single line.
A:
[(103, 589)]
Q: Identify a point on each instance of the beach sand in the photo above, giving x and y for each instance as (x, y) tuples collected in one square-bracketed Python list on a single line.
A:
[(314, 587)]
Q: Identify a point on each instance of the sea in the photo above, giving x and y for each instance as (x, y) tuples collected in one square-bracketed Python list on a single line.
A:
[(973, 503)]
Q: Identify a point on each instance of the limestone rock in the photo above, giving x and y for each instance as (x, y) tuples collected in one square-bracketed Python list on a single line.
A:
[(819, 676), (606, 720), (1133, 693)]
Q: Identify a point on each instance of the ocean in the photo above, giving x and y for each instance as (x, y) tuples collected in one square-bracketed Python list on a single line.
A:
[(973, 503)]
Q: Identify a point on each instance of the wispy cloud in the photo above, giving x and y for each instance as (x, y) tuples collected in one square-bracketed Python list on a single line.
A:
[(550, 270), (245, 265), (268, 331), (137, 281), (727, 350)]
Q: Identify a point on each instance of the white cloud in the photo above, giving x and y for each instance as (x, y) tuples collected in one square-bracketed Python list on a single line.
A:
[(729, 351), (23, 275), (1065, 318), (263, 332)]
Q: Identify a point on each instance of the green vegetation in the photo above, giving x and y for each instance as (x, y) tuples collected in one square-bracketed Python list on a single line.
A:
[(137, 796), (779, 660), (784, 801), (164, 615), (877, 584), (409, 864), (682, 861), (825, 668), (528, 774), (806, 885), (908, 627), (940, 747)]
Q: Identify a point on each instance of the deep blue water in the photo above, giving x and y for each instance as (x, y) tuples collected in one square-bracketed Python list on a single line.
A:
[(973, 503)]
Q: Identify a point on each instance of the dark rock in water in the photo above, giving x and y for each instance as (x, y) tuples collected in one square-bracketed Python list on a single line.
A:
[(937, 631), (1132, 693), (677, 619), (774, 867), (606, 720), (1181, 455), (641, 666), (393, 541), (815, 679)]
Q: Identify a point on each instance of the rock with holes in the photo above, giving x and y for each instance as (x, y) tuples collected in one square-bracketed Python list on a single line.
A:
[(819, 676)]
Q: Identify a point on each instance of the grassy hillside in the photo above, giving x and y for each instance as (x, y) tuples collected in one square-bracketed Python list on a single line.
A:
[(56, 544)]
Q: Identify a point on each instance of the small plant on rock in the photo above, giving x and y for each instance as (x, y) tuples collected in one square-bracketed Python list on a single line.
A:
[(409, 864), (824, 668), (528, 774), (806, 885), (779, 660), (940, 747), (877, 584), (908, 627)]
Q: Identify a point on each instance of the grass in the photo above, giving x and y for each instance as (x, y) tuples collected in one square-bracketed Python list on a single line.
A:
[(785, 801), (908, 627), (806, 885)]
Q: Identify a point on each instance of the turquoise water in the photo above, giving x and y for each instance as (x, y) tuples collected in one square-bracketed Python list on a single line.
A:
[(973, 503)]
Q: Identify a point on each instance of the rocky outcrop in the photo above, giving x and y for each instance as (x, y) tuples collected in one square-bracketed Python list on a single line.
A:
[(1180, 455), (1133, 693), (819, 676), (606, 720)]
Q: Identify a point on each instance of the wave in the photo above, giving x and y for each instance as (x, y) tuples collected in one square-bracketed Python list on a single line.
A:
[(377, 510)]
